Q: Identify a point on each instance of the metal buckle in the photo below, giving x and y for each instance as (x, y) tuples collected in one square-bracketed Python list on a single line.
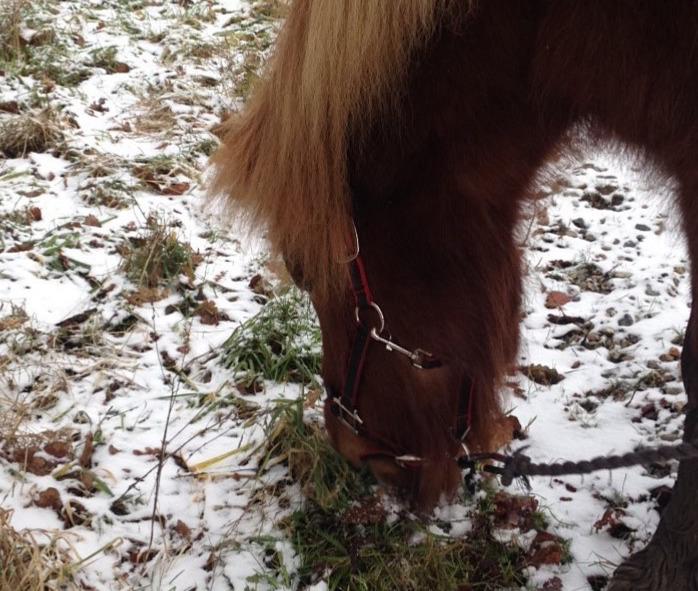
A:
[(407, 460), (352, 414), (416, 357)]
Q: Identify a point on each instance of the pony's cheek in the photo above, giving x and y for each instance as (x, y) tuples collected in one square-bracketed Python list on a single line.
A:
[(389, 474), (441, 379)]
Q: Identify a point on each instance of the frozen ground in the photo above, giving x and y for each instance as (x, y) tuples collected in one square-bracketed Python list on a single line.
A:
[(99, 375)]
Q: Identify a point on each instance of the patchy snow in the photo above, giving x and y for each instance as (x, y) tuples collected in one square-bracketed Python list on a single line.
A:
[(646, 309), (60, 256)]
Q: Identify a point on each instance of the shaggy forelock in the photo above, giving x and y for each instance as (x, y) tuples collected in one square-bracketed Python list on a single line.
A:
[(283, 161)]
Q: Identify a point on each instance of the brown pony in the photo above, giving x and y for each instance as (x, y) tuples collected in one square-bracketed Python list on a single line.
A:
[(422, 124)]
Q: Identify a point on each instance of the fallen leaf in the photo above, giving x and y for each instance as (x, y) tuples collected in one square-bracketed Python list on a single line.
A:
[(542, 374), (546, 548), (49, 499), (9, 107), (87, 450), (514, 511), (34, 214), (556, 299), (76, 319), (183, 529), (175, 189), (58, 449), (23, 247), (208, 313)]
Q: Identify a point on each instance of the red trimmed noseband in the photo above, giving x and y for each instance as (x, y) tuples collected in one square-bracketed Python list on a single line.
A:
[(345, 405)]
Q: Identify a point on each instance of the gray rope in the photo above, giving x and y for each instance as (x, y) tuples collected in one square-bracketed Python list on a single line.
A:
[(520, 466)]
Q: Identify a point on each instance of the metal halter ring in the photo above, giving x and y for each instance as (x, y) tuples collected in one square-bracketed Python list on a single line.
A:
[(376, 307)]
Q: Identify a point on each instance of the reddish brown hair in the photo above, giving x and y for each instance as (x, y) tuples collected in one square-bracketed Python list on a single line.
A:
[(425, 121), (283, 159)]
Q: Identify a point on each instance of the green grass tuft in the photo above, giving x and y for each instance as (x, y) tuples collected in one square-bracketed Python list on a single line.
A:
[(324, 476), (398, 555), (345, 536), (281, 343), (158, 257)]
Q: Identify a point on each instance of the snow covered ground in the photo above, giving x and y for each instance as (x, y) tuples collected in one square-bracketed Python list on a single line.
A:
[(101, 375)]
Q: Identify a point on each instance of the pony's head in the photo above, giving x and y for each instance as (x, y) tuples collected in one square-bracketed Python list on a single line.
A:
[(299, 162), (409, 388)]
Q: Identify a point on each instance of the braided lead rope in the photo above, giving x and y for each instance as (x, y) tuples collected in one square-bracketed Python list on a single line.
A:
[(520, 466)]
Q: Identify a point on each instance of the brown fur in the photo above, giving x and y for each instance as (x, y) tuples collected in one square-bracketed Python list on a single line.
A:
[(283, 160), (428, 131)]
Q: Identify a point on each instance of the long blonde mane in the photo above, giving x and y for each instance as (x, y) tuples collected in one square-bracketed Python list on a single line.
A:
[(283, 158)]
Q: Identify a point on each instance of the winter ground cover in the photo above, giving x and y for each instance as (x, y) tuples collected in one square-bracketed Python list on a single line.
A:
[(159, 405)]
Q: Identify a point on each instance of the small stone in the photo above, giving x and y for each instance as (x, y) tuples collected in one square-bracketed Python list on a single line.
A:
[(81, 418), (580, 223), (672, 390), (669, 437), (597, 582), (626, 320), (616, 356), (642, 227), (554, 584), (649, 411), (606, 189)]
